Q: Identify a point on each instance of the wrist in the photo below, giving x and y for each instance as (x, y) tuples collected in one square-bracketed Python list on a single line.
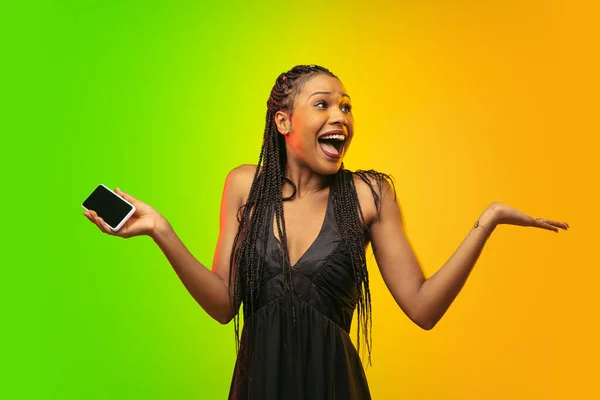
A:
[(161, 229), (489, 218)]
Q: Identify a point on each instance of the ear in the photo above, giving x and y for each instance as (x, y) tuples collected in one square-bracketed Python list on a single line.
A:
[(282, 120)]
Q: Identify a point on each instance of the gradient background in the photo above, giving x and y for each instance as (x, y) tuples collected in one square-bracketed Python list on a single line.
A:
[(463, 103)]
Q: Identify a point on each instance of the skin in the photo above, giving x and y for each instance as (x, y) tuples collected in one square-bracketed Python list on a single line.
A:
[(423, 300)]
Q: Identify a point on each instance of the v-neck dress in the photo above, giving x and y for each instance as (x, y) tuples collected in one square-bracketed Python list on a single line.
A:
[(304, 353)]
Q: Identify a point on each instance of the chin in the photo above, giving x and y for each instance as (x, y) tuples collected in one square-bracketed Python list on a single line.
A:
[(330, 168)]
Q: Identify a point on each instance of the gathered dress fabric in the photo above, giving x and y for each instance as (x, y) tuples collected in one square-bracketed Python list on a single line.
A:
[(299, 345)]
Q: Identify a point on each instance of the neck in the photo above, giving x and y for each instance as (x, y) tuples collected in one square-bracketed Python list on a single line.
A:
[(307, 181)]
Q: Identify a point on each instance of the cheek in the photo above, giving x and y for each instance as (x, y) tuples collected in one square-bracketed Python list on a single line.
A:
[(348, 143), (302, 142), (306, 137)]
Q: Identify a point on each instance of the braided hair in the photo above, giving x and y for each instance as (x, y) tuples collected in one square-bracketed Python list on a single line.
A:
[(266, 193)]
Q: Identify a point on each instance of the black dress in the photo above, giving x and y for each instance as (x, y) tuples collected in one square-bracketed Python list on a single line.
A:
[(313, 358)]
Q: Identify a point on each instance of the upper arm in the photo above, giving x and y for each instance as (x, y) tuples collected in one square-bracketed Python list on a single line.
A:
[(235, 192), (394, 254)]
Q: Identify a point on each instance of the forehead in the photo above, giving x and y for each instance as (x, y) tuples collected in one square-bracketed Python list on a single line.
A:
[(323, 83)]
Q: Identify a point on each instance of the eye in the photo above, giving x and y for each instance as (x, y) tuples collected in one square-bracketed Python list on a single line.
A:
[(345, 107)]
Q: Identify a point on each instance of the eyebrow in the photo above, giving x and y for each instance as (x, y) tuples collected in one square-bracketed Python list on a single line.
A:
[(343, 94)]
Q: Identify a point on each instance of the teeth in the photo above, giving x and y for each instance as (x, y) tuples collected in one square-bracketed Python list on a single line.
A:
[(334, 137)]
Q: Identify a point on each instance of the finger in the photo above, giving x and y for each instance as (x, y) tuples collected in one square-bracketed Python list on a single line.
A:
[(101, 224), (89, 217), (541, 223), (124, 195), (92, 217), (96, 220), (559, 224), (105, 227)]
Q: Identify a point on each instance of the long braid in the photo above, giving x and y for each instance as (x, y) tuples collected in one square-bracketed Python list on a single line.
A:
[(266, 196), (350, 220)]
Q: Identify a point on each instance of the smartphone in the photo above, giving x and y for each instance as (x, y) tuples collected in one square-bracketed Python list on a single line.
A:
[(111, 207)]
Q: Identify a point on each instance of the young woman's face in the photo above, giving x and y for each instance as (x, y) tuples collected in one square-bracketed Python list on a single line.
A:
[(321, 126)]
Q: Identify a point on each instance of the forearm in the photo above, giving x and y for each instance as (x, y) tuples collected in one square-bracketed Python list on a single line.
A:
[(439, 291), (206, 288)]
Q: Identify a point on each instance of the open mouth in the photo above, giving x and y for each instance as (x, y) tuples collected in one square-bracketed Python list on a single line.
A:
[(333, 146)]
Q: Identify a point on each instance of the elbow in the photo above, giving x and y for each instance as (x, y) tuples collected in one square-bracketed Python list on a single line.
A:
[(423, 316), (424, 323), (224, 318), (222, 313), (221, 316), (427, 325)]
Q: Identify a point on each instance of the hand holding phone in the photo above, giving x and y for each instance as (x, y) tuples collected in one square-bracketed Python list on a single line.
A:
[(120, 214)]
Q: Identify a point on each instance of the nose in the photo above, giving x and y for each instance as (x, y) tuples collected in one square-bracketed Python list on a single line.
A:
[(338, 116)]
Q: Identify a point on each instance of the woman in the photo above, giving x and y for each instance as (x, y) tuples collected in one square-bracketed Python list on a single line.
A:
[(300, 277)]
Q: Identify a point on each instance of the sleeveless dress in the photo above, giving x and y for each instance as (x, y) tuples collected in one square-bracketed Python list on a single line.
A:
[(313, 357)]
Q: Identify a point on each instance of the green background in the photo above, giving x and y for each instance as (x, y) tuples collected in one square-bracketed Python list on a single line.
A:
[(159, 100)]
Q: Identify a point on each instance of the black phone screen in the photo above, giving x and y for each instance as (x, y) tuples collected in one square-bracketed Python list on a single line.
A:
[(110, 207)]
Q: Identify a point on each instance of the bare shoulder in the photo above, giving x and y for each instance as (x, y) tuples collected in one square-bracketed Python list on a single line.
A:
[(372, 188), (240, 180), (243, 172)]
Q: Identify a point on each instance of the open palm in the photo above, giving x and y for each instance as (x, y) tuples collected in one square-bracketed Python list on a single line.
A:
[(505, 214), (142, 222)]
